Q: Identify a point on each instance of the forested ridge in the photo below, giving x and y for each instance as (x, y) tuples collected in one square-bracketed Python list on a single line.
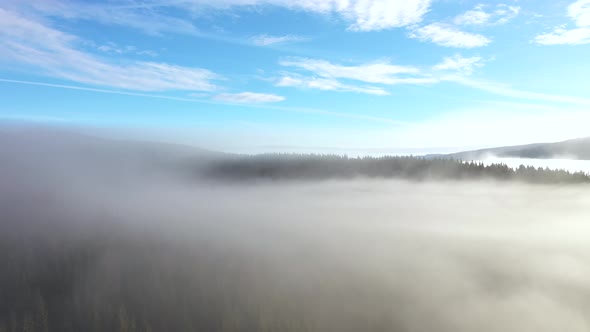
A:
[(294, 166)]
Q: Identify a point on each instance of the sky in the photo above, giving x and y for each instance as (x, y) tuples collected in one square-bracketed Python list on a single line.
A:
[(349, 76)]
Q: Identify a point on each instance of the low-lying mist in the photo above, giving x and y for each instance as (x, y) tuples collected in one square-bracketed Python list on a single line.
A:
[(104, 242)]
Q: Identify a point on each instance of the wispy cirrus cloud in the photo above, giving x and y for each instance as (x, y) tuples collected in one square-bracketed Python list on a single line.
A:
[(378, 72), (248, 98), (361, 15), (114, 48), (27, 42), (451, 33), (460, 64), (198, 100), (327, 76), (152, 15), (579, 12), (369, 78), (449, 36), (327, 84), (149, 17), (477, 16), (484, 15), (267, 40)]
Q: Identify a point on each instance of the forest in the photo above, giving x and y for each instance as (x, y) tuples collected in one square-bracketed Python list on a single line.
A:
[(313, 167)]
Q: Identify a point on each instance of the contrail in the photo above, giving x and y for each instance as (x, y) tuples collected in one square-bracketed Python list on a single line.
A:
[(114, 92), (258, 106)]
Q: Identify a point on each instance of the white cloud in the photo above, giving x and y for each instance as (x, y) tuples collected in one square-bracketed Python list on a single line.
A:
[(501, 14), (362, 15), (321, 112), (505, 13), (287, 81), (459, 63), (324, 75), (326, 84), (266, 40), (327, 76), (248, 98), (378, 72), (579, 12), (476, 16), (560, 36), (113, 48), (122, 13), (369, 15), (27, 42), (449, 36), (148, 53)]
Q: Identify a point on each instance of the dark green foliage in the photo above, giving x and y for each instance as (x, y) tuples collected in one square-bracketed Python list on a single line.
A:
[(412, 168)]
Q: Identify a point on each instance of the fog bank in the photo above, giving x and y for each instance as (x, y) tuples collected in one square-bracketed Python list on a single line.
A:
[(356, 255)]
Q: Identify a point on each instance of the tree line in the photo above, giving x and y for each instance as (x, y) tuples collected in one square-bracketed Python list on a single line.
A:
[(314, 167)]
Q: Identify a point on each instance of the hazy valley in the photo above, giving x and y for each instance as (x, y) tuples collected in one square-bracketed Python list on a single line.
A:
[(127, 240)]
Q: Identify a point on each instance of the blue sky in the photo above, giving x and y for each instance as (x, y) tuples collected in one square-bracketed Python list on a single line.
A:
[(302, 75)]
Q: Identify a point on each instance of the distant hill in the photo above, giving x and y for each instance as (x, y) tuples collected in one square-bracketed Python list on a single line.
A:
[(576, 149)]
